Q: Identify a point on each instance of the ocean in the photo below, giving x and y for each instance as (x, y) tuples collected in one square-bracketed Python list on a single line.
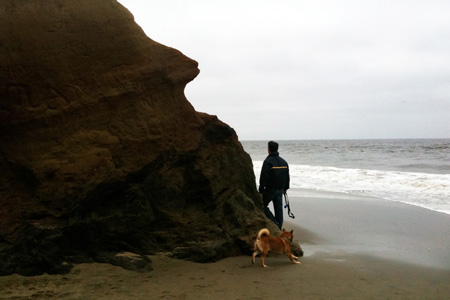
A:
[(412, 171)]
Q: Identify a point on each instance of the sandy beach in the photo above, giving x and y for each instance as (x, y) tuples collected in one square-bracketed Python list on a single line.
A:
[(355, 248)]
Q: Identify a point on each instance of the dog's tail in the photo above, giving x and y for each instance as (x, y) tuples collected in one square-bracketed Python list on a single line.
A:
[(263, 232)]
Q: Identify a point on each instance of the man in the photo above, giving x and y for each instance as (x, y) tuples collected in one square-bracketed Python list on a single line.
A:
[(273, 183)]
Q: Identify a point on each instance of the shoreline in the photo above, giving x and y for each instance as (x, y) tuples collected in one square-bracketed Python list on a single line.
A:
[(351, 252), (303, 192)]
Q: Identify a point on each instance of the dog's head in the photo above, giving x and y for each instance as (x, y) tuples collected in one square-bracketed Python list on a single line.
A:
[(289, 235)]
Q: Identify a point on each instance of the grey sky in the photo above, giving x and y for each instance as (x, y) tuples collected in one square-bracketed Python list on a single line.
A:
[(313, 69)]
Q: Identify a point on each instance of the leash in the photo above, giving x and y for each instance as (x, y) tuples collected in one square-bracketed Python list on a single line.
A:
[(286, 201)]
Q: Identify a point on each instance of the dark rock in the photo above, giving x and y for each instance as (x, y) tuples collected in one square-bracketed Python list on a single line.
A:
[(296, 249), (130, 261), (100, 151)]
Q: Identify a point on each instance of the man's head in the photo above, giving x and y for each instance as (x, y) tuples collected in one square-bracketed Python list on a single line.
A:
[(273, 147)]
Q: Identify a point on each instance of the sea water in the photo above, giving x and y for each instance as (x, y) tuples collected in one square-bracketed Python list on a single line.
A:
[(413, 171)]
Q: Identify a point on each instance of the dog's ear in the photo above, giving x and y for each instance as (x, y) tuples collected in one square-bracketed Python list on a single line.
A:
[(284, 229), (292, 231)]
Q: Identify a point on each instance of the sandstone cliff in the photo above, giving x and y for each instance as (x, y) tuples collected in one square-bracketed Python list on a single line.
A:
[(100, 151)]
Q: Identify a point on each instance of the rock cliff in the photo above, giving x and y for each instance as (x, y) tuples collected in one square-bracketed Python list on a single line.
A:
[(100, 151)]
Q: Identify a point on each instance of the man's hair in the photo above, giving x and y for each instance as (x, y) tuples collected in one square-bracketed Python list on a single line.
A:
[(273, 146)]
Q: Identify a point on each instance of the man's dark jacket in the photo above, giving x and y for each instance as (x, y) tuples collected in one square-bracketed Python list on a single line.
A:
[(274, 173)]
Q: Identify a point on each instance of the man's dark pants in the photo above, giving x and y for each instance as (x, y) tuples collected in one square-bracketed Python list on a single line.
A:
[(276, 196)]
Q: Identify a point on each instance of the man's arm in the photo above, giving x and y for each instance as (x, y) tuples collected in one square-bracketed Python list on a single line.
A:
[(264, 177), (288, 179)]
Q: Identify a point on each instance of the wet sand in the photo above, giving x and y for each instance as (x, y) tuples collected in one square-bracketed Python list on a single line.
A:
[(370, 226), (355, 248)]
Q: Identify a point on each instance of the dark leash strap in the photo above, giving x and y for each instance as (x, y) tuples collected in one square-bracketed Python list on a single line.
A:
[(286, 201)]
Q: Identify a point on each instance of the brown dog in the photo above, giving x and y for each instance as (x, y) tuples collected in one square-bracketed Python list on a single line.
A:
[(281, 245)]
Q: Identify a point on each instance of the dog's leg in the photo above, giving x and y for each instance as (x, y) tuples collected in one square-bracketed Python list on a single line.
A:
[(263, 255), (292, 258), (254, 255), (256, 252)]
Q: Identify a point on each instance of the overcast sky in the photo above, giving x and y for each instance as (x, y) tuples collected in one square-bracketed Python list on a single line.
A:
[(313, 69)]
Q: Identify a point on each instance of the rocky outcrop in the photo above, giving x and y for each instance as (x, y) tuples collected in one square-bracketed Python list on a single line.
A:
[(101, 153)]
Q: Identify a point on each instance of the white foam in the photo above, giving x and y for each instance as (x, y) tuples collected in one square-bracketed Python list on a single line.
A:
[(431, 191)]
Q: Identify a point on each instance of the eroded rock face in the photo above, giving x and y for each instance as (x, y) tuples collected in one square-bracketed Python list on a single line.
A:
[(100, 152)]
